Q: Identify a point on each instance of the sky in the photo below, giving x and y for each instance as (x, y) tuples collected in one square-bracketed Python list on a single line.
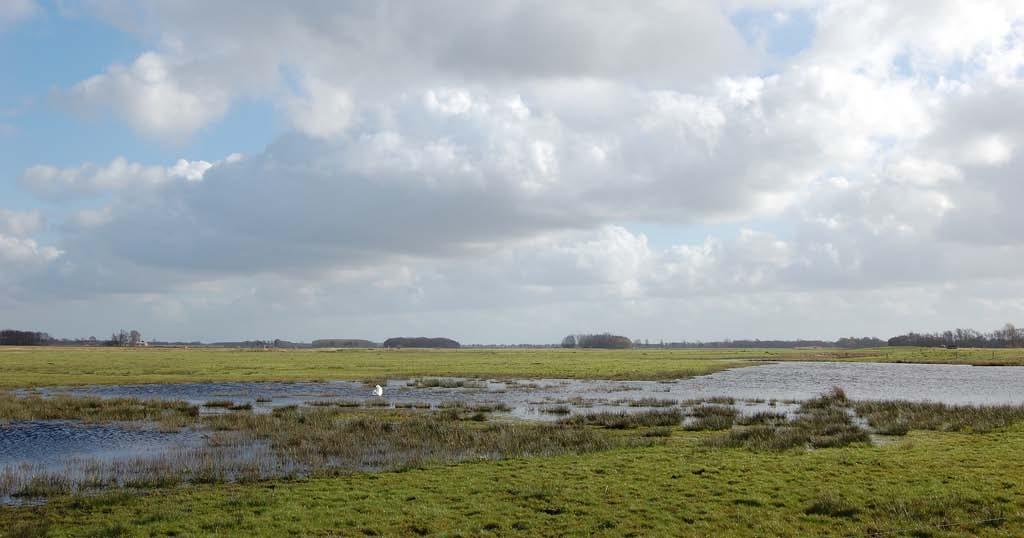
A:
[(511, 171)]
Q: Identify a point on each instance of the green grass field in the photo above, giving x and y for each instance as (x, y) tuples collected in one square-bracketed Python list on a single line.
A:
[(924, 484), (26, 367)]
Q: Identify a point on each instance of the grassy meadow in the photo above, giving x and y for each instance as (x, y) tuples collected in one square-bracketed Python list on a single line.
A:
[(925, 483), (28, 367)]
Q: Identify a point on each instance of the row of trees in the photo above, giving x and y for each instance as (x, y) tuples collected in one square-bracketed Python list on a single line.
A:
[(12, 337), (344, 342), (420, 341), (1008, 336), (125, 338), (598, 341), (846, 342)]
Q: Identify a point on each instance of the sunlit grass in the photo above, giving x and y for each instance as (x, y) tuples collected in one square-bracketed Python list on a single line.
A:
[(27, 367), (937, 484)]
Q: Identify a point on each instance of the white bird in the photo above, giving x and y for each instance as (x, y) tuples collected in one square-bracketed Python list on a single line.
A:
[(378, 392)]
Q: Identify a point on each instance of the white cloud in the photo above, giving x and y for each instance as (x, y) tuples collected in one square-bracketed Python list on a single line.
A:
[(344, 52), (49, 181), (446, 160), (20, 223), (150, 95), (322, 111), (24, 251)]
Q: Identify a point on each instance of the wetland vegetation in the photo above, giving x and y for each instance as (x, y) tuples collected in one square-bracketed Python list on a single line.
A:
[(466, 465)]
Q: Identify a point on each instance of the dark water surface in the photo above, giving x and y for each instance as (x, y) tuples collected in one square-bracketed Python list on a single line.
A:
[(53, 443)]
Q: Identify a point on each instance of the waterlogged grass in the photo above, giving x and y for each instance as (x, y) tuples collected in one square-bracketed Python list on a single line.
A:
[(622, 420), (820, 423), (936, 484), (556, 410), (605, 474), (711, 417), (447, 383), (89, 409), (897, 417), (48, 366), (652, 402), (294, 442)]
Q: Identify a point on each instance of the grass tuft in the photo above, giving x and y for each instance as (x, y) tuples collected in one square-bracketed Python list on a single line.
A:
[(898, 417), (669, 417), (831, 505), (821, 422), (652, 402), (711, 417)]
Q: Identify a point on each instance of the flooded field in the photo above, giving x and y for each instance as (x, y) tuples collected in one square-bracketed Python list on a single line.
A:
[(950, 384), (36, 453)]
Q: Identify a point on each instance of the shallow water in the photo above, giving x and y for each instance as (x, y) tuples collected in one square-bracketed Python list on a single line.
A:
[(52, 443), (953, 384), (49, 444)]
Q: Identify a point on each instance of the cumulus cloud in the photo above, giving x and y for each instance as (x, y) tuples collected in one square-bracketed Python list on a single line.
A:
[(19, 251), (501, 161), (153, 97), (53, 182), (340, 52), (20, 255), (321, 111)]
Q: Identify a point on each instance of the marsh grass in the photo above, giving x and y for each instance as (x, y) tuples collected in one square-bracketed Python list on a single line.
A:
[(556, 410), (711, 417), (577, 401), (230, 405), (317, 441), (898, 417), (482, 407), (762, 417), (717, 400), (621, 420), (652, 402), (335, 403), (412, 405), (447, 383), (820, 423), (91, 409)]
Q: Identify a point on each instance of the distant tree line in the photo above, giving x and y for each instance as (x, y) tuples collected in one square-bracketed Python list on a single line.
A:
[(597, 341), (1008, 336), (125, 338), (344, 342), (421, 341), (12, 337), (846, 342)]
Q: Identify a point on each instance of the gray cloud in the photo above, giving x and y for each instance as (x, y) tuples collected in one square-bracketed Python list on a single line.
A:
[(484, 167)]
